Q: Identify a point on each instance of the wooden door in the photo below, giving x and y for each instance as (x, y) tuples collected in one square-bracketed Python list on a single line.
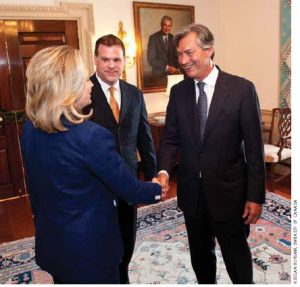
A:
[(19, 41)]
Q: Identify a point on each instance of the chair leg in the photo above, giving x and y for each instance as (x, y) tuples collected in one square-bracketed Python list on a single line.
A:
[(272, 177)]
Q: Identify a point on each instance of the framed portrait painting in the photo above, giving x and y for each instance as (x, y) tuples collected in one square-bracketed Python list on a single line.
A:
[(155, 24)]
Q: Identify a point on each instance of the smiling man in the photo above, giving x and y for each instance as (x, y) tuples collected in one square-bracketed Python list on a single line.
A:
[(213, 118), (120, 107), (161, 52)]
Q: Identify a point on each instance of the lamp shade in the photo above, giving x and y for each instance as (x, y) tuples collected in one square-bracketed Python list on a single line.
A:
[(172, 80)]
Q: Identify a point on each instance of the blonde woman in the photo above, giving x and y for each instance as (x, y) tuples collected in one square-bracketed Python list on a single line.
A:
[(74, 173)]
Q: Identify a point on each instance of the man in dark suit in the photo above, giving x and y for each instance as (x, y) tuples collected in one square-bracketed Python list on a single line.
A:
[(161, 52), (123, 112), (213, 118)]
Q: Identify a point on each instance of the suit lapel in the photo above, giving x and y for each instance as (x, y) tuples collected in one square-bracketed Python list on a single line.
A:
[(98, 94), (125, 100), (161, 41), (191, 110), (170, 41), (219, 96), (101, 105)]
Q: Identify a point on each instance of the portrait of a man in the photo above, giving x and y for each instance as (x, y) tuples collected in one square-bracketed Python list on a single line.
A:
[(155, 24), (161, 52)]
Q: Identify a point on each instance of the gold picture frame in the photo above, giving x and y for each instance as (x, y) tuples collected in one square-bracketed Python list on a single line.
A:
[(147, 17)]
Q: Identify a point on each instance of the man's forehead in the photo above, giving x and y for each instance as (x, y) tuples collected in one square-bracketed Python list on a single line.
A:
[(113, 47), (187, 46), (110, 51), (167, 22)]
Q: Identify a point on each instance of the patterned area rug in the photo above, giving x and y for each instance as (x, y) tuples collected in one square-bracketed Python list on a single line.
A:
[(162, 255)]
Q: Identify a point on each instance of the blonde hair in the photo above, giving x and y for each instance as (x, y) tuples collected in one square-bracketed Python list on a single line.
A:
[(56, 79)]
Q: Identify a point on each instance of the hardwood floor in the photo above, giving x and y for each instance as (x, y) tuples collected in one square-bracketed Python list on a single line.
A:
[(16, 220)]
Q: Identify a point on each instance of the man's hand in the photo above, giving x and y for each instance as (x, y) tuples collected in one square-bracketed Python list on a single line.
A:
[(163, 191), (164, 181), (252, 212)]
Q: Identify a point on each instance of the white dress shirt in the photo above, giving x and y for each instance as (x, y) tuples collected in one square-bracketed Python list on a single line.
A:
[(209, 86), (105, 87)]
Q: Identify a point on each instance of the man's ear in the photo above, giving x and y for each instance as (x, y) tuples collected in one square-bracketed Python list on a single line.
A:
[(211, 51)]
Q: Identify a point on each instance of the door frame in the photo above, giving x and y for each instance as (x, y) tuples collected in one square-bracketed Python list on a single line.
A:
[(81, 12)]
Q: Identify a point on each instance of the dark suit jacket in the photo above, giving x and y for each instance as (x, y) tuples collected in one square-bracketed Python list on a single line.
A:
[(158, 56), (231, 155), (73, 180), (133, 131)]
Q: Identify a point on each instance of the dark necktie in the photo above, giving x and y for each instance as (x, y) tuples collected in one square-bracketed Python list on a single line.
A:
[(166, 41), (202, 108)]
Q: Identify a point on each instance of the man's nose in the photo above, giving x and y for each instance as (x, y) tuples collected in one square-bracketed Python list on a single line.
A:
[(111, 63), (183, 59)]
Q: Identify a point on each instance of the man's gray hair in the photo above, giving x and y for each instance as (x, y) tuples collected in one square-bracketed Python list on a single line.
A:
[(205, 37)]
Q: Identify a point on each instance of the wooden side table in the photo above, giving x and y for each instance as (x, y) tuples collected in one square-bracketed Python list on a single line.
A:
[(157, 128)]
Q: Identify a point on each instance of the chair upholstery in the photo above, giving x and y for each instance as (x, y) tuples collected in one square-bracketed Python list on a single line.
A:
[(278, 149), (271, 153)]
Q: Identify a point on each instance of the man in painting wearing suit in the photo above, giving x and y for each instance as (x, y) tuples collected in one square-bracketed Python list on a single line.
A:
[(120, 107), (213, 118), (161, 52)]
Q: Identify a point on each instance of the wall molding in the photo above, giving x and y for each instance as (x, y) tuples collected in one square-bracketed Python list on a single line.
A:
[(81, 12), (285, 53)]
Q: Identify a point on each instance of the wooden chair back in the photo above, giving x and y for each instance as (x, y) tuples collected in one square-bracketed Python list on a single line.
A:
[(281, 127)]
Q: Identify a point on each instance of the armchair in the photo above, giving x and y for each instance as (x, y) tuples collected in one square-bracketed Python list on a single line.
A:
[(278, 148)]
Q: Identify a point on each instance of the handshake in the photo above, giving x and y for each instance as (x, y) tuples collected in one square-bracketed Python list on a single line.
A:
[(163, 180)]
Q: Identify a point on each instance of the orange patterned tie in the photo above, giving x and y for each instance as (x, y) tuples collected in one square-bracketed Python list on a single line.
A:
[(113, 104)]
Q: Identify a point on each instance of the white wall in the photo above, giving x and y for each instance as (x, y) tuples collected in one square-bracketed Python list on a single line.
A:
[(249, 44), (246, 32)]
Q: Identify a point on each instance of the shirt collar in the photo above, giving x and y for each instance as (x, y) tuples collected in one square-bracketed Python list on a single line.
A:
[(106, 86), (211, 79)]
